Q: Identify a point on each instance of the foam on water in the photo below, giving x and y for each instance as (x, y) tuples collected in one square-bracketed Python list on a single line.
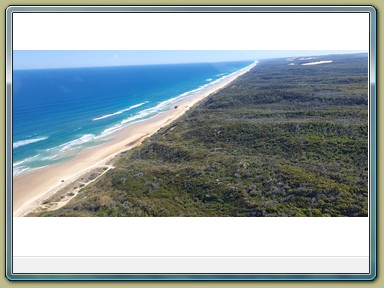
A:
[(75, 143), (120, 111), (27, 141)]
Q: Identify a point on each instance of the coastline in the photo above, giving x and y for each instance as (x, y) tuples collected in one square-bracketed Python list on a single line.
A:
[(30, 190)]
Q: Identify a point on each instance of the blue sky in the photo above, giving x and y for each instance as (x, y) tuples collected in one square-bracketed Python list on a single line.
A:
[(42, 59)]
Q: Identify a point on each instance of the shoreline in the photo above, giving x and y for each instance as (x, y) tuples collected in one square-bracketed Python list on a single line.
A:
[(47, 181)]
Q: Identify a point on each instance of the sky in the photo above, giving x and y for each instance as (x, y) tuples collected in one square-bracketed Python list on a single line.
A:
[(46, 59)]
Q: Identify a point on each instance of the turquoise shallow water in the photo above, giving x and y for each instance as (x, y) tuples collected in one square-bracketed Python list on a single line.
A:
[(58, 112)]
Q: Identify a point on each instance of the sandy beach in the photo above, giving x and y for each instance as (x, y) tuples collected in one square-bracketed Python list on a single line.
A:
[(32, 189)]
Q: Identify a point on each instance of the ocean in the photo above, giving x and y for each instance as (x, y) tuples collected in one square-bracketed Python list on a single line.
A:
[(59, 112)]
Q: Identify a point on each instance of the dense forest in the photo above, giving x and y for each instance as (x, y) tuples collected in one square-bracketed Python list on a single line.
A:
[(281, 140)]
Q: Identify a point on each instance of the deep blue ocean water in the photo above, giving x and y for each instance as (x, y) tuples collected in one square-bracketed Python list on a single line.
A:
[(58, 112)]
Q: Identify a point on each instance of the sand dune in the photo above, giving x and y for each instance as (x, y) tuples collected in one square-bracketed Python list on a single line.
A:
[(317, 63)]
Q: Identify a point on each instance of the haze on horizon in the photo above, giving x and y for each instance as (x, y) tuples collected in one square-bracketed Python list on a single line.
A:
[(51, 59)]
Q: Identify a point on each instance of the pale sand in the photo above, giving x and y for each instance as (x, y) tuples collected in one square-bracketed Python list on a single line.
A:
[(318, 62), (30, 190)]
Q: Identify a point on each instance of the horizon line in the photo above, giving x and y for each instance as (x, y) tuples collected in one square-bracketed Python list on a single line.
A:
[(131, 65)]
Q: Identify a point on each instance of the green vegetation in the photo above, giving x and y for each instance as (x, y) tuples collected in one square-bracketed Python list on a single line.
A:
[(282, 140)]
